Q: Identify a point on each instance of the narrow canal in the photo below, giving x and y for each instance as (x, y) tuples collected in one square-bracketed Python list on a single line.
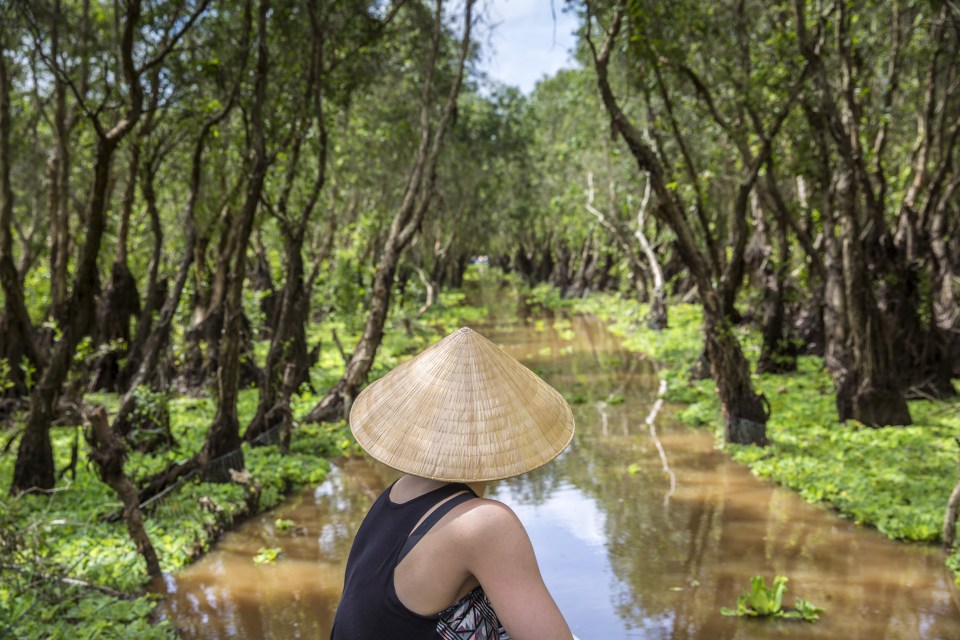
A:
[(640, 532)]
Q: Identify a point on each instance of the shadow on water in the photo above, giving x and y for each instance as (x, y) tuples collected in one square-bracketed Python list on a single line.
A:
[(626, 552)]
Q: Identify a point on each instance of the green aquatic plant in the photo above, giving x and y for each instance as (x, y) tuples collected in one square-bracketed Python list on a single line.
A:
[(764, 601), (284, 525), (267, 555)]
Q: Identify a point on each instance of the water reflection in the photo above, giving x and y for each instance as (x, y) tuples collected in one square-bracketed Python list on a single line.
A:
[(622, 561)]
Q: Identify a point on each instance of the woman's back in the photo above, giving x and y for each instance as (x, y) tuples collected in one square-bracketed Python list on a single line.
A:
[(397, 581), (369, 607)]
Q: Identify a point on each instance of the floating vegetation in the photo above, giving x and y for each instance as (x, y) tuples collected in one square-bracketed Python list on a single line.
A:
[(762, 601)]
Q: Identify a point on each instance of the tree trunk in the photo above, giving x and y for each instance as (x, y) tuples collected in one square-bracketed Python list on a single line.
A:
[(261, 280), (17, 330), (58, 201), (288, 361), (288, 344), (923, 354), (578, 285), (657, 315), (222, 443), (203, 337), (873, 393), (778, 353), (157, 290), (559, 275), (745, 413), (34, 467), (417, 197), (120, 303), (837, 357), (336, 404), (109, 454)]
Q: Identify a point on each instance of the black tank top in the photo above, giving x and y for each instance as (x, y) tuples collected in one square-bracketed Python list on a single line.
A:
[(369, 608)]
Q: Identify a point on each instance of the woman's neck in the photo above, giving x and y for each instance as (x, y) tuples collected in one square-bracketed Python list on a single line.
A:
[(414, 486)]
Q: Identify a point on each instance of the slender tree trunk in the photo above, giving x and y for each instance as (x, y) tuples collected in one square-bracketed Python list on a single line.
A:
[(778, 353), (657, 316), (559, 275), (120, 303), (223, 436), (406, 222), (945, 301), (203, 337), (578, 286), (17, 331), (156, 291), (58, 202), (288, 361), (745, 412), (288, 345), (950, 517), (338, 400), (34, 467)]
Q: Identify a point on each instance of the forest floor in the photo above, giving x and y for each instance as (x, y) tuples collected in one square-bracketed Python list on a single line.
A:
[(897, 479), (69, 569)]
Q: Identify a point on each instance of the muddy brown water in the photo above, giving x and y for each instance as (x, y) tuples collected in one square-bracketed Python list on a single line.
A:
[(628, 548)]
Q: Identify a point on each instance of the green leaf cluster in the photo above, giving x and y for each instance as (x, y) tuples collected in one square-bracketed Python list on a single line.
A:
[(267, 555), (764, 601)]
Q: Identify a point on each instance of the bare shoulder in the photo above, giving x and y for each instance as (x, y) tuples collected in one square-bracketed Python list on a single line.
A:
[(486, 524), (484, 513)]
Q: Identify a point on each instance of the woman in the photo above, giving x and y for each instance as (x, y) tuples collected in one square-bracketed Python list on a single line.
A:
[(432, 559)]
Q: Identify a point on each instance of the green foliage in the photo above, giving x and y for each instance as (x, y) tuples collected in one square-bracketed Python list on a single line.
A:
[(65, 533), (763, 601), (5, 381), (267, 555), (35, 602), (953, 563), (547, 296), (149, 418), (284, 525)]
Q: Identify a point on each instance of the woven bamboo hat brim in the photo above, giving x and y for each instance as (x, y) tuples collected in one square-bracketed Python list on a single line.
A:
[(462, 411)]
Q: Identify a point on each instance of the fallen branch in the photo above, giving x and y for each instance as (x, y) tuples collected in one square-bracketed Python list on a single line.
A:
[(73, 582), (108, 454)]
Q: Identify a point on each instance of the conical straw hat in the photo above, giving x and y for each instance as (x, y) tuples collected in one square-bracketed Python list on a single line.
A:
[(462, 411)]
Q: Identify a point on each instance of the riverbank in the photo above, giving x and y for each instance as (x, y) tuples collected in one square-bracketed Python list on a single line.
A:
[(896, 479), (68, 570), (639, 529)]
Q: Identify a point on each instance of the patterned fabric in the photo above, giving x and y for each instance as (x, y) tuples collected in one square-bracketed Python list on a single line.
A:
[(471, 618)]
